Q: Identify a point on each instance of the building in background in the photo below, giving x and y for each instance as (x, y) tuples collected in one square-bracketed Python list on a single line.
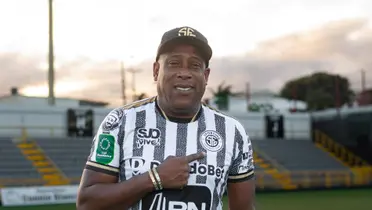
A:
[(16, 99), (262, 101), (364, 98)]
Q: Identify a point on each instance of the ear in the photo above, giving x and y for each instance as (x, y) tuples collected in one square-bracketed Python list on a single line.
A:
[(155, 70), (206, 75)]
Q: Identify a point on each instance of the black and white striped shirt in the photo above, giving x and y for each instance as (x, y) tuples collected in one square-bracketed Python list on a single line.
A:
[(137, 137)]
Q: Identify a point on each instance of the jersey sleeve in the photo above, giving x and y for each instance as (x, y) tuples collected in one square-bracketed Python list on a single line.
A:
[(105, 150), (242, 167)]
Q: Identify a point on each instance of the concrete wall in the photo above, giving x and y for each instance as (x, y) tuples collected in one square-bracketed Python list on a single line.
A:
[(51, 121), (19, 100)]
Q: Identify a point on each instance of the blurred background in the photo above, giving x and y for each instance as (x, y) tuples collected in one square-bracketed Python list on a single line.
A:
[(296, 73)]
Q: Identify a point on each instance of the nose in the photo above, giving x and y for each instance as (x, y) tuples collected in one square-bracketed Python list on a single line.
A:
[(184, 74)]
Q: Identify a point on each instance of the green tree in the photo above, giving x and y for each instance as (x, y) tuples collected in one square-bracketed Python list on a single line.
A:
[(221, 95), (320, 90)]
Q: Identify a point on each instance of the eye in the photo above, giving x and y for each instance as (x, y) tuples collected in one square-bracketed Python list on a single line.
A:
[(196, 65), (173, 63)]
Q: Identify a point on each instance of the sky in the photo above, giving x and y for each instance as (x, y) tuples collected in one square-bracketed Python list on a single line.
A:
[(263, 42)]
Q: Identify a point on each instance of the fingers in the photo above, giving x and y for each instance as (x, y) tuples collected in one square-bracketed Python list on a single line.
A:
[(170, 157), (195, 156)]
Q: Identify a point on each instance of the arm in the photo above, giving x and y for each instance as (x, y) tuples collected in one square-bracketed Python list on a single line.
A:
[(100, 191), (99, 188), (241, 184), (241, 195)]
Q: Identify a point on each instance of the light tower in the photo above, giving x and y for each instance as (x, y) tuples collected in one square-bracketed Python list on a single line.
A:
[(134, 72), (51, 97), (123, 84)]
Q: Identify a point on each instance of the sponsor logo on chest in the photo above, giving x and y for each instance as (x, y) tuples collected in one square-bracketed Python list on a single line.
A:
[(139, 165), (147, 136)]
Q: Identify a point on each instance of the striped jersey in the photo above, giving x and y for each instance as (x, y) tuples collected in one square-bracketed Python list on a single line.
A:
[(133, 139)]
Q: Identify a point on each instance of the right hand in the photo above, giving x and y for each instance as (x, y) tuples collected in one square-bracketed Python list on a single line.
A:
[(174, 171)]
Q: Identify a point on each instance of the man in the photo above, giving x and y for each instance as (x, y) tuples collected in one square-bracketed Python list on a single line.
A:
[(170, 151)]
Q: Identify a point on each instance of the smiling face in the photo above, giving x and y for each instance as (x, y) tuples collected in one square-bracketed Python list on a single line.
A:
[(181, 77)]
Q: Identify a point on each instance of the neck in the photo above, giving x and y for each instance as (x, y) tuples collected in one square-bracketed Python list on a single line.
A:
[(186, 114)]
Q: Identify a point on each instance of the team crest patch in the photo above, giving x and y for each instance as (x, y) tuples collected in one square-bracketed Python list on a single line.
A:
[(211, 141), (113, 119)]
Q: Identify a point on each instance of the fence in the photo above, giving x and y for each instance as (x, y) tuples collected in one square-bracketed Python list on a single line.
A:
[(54, 122), (302, 179), (338, 150), (318, 179)]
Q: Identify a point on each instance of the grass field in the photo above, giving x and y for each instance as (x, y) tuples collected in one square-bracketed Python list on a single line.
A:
[(319, 200)]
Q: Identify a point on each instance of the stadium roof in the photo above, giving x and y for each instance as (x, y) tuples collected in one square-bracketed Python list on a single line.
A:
[(82, 102)]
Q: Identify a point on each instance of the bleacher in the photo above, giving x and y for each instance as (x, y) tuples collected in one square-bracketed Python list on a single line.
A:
[(15, 169), (298, 155), (69, 155)]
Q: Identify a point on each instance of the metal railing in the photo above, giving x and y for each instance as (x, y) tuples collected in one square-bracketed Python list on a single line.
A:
[(302, 179), (338, 150), (49, 131), (318, 179), (60, 131)]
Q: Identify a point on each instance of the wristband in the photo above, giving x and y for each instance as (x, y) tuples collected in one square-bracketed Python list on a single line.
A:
[(153, 180), (157, 177)]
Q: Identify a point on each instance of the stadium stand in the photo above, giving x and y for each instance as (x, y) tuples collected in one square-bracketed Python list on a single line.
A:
[(285, 164), (295, 155), (57, 161), (68, 154), (14, 166), (277, 162)]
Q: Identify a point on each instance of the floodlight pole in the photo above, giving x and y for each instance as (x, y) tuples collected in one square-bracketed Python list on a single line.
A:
[(51, 97)]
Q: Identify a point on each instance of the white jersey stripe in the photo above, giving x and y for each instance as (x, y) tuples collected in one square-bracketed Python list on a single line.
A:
[(211, 156), (192, 142), (138, 143), (170, 141), (128, 143)]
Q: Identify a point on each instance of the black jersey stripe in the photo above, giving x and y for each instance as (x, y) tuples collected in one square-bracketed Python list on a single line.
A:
[(161, 124), (201, 128), (181, 145), (221, 129), (137, 147), (140, 123), (121, 136)]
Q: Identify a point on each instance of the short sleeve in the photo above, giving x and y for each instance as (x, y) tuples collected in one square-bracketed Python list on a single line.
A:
[(105, 150), (242, 167)]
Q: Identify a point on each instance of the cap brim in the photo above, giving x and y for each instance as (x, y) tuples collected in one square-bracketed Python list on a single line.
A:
[(204, 49)]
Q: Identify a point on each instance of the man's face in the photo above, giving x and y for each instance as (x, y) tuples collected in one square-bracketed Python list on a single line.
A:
[(181, 77)]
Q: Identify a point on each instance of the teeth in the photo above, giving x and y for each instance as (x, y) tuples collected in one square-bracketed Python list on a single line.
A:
[(183, 89)]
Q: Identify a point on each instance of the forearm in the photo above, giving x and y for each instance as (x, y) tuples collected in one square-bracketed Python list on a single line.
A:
[(125, 194), (248, 207)]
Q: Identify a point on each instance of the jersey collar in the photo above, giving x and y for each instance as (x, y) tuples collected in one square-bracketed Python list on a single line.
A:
[(177, 119)]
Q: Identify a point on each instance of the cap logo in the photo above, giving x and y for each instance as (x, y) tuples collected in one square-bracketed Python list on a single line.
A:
[(186, 31)]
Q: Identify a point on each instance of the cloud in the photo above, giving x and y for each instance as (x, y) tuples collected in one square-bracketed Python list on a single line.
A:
[(341, 47), (17, 69)]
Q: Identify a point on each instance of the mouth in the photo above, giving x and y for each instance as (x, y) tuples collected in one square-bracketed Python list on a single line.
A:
[(184, 88)]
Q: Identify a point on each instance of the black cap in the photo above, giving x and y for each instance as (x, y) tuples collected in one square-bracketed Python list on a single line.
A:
[(185, 35)]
